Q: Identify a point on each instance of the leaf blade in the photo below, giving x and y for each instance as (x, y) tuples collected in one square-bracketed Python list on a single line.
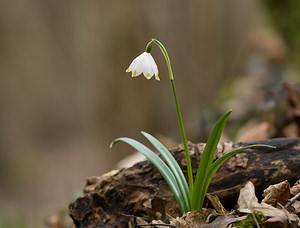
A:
[(216, 165), (206, 161), (174, 167), (160, 165)]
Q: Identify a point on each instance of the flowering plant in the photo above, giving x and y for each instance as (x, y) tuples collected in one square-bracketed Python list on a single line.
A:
[(189, 196)]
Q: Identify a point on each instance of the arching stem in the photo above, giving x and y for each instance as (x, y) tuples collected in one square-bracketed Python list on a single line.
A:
[(187, 154)]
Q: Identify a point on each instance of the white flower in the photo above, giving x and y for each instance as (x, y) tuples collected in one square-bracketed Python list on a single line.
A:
[(145, 64)]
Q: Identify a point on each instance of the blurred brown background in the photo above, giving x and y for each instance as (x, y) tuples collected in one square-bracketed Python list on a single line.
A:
[(65, 95)]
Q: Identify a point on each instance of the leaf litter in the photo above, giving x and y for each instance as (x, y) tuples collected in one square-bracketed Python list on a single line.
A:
[(277, 209)]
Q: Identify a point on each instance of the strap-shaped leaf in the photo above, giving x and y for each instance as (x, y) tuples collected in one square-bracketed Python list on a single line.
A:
[(174, 167), (206, 161), (160, 165), (216, 165)]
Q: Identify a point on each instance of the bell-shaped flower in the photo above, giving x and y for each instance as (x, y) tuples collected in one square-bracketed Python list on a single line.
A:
[(145, 64)]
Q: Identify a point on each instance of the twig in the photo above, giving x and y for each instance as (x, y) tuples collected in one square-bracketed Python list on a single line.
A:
[(255, 220), (292, 200), (120, 213), (158, 224), (285, 212), (226, 189)]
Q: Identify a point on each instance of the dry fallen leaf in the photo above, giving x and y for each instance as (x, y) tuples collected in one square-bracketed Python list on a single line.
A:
[(296, 205), (140, 221), (247, 198), (222, 221), (193, 219), (296, 188), (248, 202), (277, 193), (216, 204)]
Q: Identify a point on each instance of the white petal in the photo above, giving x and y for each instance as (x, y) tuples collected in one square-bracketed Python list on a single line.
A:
[(136, 65), (151, 67), (148, 72), (154, 66), (145, 64)]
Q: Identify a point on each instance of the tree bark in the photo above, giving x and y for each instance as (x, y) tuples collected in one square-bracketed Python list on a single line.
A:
[(115, 198)]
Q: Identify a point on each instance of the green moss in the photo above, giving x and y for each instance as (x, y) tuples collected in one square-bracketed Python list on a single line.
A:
[(249, 221)]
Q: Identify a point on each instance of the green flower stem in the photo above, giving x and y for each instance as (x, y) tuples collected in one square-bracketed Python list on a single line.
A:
[(187, 154)]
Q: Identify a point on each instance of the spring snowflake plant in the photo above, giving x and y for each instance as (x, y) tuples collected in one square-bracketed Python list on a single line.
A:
[(189, 196)]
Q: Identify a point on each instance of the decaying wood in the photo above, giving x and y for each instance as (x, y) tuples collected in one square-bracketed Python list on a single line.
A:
[(113, 199)]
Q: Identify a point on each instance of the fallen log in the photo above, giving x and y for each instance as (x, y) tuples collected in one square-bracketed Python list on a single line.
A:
[(115, 198)]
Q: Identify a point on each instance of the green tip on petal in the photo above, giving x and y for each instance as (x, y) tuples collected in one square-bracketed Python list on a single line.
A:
[(134, 73), (148, 75), (157, 78), (127, 69)]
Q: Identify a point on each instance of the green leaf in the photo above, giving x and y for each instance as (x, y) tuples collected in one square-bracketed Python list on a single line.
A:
[(198, 193), (160, 165), (174, 167), (216, 165)]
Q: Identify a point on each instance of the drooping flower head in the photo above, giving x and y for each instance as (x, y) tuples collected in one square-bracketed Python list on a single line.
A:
[(145, 64)]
